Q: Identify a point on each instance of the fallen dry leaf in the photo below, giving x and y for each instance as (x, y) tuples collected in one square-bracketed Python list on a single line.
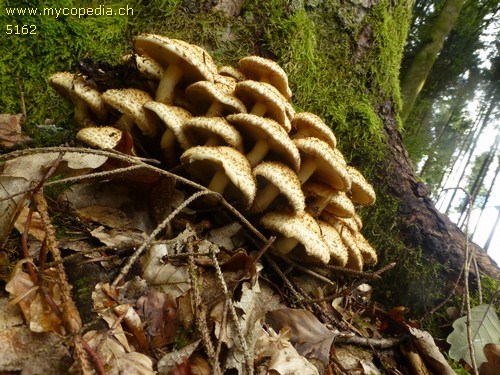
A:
[(115, 358), (32, 353), (105, 301), (112, 203), (104, 215), (228, 236), (283, 357), (36, 227), (170, 279), (26, 351), (183, 368), (356, 360), (39, 316), (10, 315), (134, 324), (118, 237), (169, 361), (308, 335), (17, 175), (158, 311), (492, 354), (255, 302), (10, 131), (429, 351)]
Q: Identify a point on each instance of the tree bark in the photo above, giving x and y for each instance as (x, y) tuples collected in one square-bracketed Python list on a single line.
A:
[(422, 224)]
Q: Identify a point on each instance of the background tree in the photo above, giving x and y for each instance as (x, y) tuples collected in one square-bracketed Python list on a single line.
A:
[(427, 52)]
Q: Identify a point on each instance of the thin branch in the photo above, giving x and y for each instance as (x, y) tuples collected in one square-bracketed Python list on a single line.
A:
[(468, 259), (385, 343)]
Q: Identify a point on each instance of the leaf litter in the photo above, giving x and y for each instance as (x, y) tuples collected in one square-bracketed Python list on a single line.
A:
[(190, 290)]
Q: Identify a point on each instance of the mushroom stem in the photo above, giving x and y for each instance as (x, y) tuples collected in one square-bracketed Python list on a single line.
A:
[(219, 182), (170, 78), (215, 109), (264, 198), (285, 244), (257, 153), (213, 141), (167, 144), (318, 204), (307, 168), (82, 113), (125, 122), (259, 109)]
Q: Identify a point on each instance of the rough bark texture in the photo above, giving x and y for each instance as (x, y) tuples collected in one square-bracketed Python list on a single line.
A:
[(423, 225)]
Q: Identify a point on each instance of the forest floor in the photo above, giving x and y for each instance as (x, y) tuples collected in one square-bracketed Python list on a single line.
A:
[(126, 267)]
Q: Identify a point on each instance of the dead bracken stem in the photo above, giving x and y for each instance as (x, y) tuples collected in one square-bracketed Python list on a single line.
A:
[(296, 295), (264, 248), (223, 328), (368, 276), (70, 314), (248, 359), (199, 308), (309, 271), (320, 311)]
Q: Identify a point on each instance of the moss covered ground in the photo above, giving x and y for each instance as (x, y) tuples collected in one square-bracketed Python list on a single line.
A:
[(342, 59)]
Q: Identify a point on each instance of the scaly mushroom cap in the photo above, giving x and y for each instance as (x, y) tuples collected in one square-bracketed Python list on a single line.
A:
[(174, 119), (355, 259), (267, 137), (307, 124), (367, 251), (228, 82), (212, 131), (298, 229), (361, 191), (130, 103), (83, 96), (321, 197), (338, 251), (102, 137), (320, 163), (230, 71), (213, 99), (353, 223), (147, 67), (265, 70), (205, 162), (261, 99), (183, 63), (357, 221), (274, 179)]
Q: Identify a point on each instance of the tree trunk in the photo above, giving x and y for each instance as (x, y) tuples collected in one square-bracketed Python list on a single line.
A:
[(487, 198), (423, 60), (478, 183), (471, 150), (422, 224)]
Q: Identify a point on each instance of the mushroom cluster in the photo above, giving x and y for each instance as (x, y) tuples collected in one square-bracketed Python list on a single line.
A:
[(235, 131)]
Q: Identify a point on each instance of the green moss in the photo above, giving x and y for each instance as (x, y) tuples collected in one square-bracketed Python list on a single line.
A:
[(28, 60)]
